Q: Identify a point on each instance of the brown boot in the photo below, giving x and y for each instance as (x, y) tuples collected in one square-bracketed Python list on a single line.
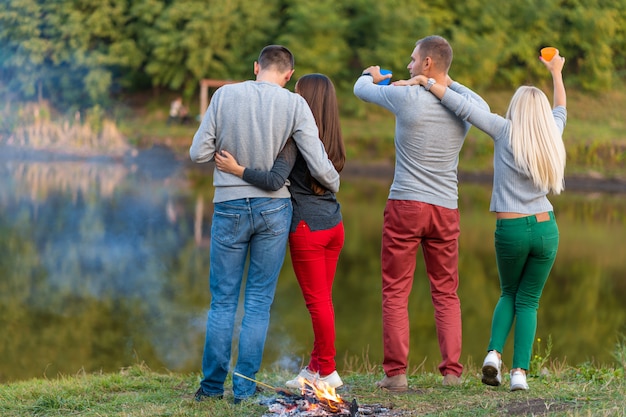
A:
[(396, 383), (451, 379)]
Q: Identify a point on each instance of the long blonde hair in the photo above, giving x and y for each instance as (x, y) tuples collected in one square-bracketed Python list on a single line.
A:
[(535, 139)]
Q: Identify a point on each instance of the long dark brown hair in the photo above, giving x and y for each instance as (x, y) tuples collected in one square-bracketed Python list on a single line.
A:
[(318, 90)]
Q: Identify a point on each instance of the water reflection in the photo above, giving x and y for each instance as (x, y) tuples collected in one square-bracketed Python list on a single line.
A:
[(104, 263)]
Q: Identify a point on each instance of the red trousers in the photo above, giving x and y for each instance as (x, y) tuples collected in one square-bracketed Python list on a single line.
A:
[(407, 224), (314, 256)]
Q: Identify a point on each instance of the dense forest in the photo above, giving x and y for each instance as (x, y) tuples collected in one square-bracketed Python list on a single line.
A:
[(77, 54)]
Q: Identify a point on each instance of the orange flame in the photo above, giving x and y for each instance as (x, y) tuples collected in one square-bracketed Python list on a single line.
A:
[(323, 392)]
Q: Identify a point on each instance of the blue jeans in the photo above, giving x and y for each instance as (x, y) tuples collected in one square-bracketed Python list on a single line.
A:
[(260, 227), (525, 252)]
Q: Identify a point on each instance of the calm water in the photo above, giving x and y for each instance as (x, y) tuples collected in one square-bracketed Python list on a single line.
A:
[(104, 264)]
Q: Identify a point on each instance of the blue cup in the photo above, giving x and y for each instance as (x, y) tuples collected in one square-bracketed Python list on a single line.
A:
[(386, 81)]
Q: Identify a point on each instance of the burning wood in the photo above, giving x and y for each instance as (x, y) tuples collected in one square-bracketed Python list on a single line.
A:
[(319, 399)]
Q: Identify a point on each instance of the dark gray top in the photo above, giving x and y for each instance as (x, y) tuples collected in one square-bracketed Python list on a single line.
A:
[(320, 212)]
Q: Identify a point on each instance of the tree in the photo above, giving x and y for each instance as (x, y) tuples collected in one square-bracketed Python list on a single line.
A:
[(387, 33), (23, 51), (65, 51), (315, 33), (593, 38), (191, 40), (80, 53)]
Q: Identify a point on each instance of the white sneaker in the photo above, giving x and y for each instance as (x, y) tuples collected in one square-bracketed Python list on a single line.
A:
[(491, 369), (333, 380), (304, 374), (518, 381)]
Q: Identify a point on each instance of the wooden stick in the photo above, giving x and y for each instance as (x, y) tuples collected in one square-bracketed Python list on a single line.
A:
[(278, 390)]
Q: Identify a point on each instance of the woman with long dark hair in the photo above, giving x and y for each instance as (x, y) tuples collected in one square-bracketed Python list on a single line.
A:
[(317, 233)]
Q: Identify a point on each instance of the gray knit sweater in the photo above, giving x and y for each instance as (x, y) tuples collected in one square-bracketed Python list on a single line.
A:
[(252, 120), (428, 139), (513, 190)]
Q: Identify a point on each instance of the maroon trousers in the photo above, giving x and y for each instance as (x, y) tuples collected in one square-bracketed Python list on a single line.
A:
[(407, 224), (314, 256)]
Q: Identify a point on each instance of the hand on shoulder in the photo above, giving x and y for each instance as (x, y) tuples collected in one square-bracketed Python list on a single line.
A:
[(417, 80)]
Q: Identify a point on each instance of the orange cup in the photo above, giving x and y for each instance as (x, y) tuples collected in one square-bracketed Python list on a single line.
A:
[(548, 53)]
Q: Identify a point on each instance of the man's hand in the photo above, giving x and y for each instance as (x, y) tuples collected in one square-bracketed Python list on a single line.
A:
[(374, 71)]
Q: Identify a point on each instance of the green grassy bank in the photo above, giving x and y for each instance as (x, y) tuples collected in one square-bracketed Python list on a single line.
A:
[(557, 390)]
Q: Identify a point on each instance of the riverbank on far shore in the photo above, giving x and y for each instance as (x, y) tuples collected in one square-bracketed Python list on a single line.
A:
[(591, 182), (585, 183)]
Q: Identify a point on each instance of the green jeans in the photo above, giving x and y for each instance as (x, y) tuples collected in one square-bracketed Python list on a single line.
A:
[(525, 253)]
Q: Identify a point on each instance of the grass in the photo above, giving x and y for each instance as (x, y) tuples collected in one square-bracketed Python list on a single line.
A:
[(556, 389)]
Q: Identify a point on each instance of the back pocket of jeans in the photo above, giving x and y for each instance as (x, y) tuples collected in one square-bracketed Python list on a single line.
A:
[(277, 220), (550, 244), (225, 227)]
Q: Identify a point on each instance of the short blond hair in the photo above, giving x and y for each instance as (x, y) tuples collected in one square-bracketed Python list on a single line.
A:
[(536, 141)]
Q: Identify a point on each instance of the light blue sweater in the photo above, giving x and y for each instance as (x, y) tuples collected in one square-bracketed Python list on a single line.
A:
[(428, 139), (513, 190), (252, 120)]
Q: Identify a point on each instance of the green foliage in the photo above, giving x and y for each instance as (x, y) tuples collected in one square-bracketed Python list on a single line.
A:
[(189, 41), (592, 30), (78, 54), (64, 51), (392, 30), (589, 372), (620, 352), (315, 33), (540, 356)]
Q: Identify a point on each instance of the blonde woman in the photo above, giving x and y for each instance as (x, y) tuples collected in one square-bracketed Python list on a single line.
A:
[(529, 163)]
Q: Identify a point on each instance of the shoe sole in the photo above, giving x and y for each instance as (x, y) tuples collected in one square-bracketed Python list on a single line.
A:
[(490, 376), (518, 388)]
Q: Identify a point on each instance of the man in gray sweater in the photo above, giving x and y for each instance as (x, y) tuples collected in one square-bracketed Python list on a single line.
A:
[(421, 208), (251, 120)]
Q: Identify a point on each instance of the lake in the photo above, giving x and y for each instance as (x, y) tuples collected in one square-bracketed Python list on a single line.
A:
[(105, 264)]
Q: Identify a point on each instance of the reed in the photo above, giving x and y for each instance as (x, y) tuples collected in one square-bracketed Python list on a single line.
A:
[(34, 127)]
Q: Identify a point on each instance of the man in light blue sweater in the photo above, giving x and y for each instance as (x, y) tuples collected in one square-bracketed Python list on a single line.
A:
[(421, 208), (252, 120)]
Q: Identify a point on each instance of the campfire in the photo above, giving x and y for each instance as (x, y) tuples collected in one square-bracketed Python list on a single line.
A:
[(318, 399)]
